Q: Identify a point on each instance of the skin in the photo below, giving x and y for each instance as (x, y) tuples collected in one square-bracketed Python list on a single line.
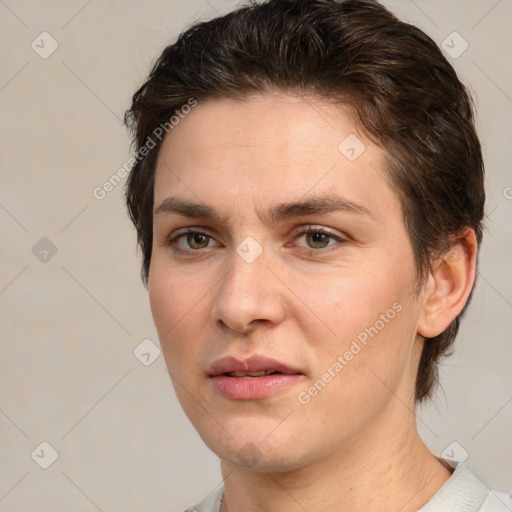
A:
[(355, 445)]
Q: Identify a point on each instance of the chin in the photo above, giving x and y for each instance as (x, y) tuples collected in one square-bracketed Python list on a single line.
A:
[(251, 450)]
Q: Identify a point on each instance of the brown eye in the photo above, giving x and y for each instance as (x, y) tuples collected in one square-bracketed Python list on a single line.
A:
[(317, 239), (191, 242), (197, 240)]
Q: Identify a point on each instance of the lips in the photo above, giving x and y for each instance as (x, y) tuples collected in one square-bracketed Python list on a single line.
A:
[(254, 366), (255, 378), (251, 374)]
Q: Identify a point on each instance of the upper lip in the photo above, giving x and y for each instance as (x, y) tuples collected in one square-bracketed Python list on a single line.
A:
[(253, 363)]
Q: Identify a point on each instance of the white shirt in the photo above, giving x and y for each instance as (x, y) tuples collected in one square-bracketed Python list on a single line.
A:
[(462, 492)]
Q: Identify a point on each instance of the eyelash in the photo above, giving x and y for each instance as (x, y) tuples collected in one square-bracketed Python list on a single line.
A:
[(172, 242)]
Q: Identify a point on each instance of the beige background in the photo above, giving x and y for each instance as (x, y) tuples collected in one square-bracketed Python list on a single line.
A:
[(70, 325)]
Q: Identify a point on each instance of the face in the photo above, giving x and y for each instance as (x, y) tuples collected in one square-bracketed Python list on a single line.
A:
[(281, 280)]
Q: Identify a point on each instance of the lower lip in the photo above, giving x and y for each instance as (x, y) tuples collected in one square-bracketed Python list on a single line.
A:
[(253, 388)]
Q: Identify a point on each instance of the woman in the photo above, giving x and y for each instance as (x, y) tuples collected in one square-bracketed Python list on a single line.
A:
[(308, 196)]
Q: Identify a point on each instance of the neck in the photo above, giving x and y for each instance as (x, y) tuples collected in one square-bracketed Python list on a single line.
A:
[(386, 468)]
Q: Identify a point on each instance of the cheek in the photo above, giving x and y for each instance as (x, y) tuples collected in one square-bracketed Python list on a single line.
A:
[(366, 320), (344, 304), (174, 306)]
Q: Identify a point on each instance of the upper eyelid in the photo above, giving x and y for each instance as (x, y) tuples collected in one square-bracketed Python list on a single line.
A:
[(304, 228), (341, 239)]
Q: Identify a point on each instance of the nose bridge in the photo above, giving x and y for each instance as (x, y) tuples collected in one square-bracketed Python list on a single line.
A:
[(248, 290)]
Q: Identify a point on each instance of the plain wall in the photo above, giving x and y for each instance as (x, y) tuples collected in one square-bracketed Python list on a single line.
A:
[(71, 322)]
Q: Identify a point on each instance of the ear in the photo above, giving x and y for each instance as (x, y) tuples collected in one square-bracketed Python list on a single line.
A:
[(449, 285)]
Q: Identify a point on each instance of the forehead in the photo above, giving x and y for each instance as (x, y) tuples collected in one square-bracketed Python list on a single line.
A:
[(271, 149)]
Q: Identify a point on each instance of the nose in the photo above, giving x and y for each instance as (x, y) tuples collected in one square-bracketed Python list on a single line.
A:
[(248, 295)]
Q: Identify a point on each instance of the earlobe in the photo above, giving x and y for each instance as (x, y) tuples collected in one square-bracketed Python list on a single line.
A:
[(449, 285)]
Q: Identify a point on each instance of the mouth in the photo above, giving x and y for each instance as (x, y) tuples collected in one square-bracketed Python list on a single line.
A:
[(255, 378), (261, 373), (253, 366)]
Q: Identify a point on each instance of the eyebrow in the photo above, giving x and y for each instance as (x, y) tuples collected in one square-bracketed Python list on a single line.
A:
[(310, 206)]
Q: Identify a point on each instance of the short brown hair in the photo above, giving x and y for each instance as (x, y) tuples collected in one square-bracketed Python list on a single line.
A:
[(406, 96)]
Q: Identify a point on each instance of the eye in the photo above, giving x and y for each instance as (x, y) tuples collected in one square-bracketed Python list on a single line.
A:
[(190, 240), (197, 240), (313, 238), (318, 238)]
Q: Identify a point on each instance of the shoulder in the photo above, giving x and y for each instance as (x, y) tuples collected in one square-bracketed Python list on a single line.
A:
[(497, 502), (210, 504), (465, 492)]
